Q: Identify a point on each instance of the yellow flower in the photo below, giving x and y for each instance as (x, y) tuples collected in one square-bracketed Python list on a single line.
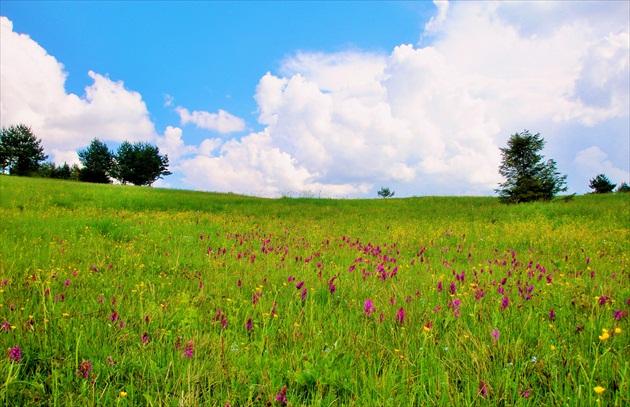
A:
[(617, 330), (604, 336), (553, 347), (123, 394), (599, 389), (426, 329)]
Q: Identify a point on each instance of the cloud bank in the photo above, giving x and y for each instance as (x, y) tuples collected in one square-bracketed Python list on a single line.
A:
[(426, 118)]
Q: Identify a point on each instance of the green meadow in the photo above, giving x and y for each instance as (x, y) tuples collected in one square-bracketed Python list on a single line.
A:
[(116, 295)]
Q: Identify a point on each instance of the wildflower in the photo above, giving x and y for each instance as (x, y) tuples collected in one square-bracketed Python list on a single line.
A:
[(6, 326), (122, 394), (620, 314), (84, 368), (282, 395), (552, 315), (15, 353), (303, 294), (239, 282), (113, 317), (368, 307), (599, 390), (453, 288), (482, 389), (495, 334), (189, 350), (505, 302), (602, 300), (579, 328), (525, 394), (299, 285), (110, 361), (249, 324), (66, 283), (604, 336), (439, 286), (400, 316), (617, 330), (144, 338)]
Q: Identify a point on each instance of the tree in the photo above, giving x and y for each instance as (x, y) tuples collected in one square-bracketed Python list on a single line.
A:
[(623, 188), (528, 178), (97, 161), (20, 151), (140, 164), (601, 184), (385, 193)]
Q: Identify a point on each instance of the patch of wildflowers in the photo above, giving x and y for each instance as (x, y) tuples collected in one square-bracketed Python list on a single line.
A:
[(85, 368), (14, 353)]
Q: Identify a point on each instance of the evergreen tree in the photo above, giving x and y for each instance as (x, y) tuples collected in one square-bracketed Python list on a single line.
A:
[(528, 178), (601, 184), (140, 163), (97, 161), (20, 151)]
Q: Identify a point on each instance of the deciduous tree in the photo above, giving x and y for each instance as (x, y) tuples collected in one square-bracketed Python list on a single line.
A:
[(21, 153)]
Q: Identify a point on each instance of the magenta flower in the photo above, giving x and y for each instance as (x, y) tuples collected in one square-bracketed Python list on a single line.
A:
[(282, 395), (66, 283), (249, 324), (84, 368), (113, 317), (299, 285), (290, 279), (439, 286), (505, 302), (618, 314), (6, 326), (495, 334), (400, 316), (15, 353), (144, 338), (368, 308), (552, 315), (602, 300), (482, 389), (303, 294), (453, 288), (189, 350)]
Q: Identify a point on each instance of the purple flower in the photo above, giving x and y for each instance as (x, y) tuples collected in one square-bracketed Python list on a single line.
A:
[(303, 294), (495, 334), (249, 324), (113, 317), (189, 350), (299, 285), (144, 338), (400, 316), (602, 300), (15, 353), (84, 368), (290, 279), (282, 395), (439, 286), (368, 308), (453, 288), (618, 314), (6, 326), (505, 302), (482, 389), (66, 283), (552, 315), (455, 303)]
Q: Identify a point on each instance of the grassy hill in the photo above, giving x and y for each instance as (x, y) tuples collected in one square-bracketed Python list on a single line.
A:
[(122, 295)]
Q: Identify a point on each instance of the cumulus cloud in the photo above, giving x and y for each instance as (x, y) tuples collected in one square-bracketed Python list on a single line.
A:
[(33, 92), (222, 122), (593, 161)]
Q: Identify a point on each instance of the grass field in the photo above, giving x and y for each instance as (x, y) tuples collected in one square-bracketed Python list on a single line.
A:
[(118, 295)]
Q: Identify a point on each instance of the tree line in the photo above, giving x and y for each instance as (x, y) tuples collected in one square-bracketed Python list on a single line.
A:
[(141, 163)]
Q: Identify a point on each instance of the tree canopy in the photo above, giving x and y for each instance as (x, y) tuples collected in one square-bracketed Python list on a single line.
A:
[(20, 151), (140, 163), (528, 178), (97, 161), (601, 184)]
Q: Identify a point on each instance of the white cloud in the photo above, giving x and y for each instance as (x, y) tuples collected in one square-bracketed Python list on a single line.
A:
[(593, 161), (222, 122), (33, 93)]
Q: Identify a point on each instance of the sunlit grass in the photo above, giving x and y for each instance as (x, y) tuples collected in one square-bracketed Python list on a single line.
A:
[(120, 295)]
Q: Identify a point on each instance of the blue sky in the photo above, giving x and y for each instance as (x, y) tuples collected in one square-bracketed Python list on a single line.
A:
[(332, 98)]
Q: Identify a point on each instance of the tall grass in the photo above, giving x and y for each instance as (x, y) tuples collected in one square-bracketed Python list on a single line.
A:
[(118, 295)]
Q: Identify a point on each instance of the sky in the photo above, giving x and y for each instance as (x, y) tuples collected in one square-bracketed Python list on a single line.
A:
[(332, 99)]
